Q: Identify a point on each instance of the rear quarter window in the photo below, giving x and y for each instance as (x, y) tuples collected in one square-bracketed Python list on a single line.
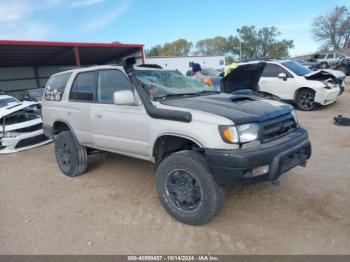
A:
[(55, 87), (84, 87)]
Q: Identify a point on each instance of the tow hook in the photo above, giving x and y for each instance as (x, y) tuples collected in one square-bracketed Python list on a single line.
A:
[(275, 182)]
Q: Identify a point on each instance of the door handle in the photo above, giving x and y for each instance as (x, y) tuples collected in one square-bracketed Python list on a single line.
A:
[(98, 116)]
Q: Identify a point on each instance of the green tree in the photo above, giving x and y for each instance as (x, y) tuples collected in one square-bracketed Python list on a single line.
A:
[(212, 46), (269, 46), (258, 44), (154, 51), (180, 47)]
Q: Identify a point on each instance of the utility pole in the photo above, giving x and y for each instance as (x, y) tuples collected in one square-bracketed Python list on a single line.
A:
[(240, 44)]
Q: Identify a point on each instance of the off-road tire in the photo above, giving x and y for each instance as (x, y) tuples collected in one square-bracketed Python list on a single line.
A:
[(305, 100), (73, 161), (212, 194)]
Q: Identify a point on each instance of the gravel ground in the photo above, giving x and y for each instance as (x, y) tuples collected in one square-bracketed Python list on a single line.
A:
[(113, 209)]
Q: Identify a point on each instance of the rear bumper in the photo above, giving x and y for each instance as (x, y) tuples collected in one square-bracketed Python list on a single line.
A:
[(232, 167)]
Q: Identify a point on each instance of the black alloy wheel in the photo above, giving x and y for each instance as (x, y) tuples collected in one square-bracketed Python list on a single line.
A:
[(183, 190)]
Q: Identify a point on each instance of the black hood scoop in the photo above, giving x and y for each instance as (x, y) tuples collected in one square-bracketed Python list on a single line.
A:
[(241, 98), (240, 109)]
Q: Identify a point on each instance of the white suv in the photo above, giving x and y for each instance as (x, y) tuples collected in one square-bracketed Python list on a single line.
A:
[(328, 59), (200, 139), (292, 81)]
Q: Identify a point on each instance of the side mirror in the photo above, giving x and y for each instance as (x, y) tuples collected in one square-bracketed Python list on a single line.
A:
[(282, 76), (124, 98)]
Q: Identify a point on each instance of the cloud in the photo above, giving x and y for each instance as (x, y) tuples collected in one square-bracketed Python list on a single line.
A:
[(103, 20), (24, 30), (16, 19), (81, 3), (13, 10)]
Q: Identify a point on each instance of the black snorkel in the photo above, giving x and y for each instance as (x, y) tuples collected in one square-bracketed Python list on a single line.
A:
[(151, 110)]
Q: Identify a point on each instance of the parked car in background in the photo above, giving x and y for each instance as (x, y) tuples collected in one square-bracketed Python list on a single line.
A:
[(20, 125), (244, 80), (343, 65), (294, 82), (327, 60), (311, 65)]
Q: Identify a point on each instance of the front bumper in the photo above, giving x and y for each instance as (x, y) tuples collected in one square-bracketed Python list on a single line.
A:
[(232, 167), (23, 141), (327, 96)]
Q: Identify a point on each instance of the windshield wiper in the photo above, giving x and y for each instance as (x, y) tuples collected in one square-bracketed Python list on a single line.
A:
[(188, 94), (174, 96), (209, 92)]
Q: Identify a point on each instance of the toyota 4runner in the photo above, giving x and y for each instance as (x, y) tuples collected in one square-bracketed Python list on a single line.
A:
[(199, 138)]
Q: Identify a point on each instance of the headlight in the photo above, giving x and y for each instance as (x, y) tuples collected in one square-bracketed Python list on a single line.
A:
[(294, 114), (328, 85), (248, 132), (8, 134), (239, 134)]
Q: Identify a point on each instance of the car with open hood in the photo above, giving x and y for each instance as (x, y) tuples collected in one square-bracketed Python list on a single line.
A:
[(200, 139), (20, 125), (294, 82), (244, 80)]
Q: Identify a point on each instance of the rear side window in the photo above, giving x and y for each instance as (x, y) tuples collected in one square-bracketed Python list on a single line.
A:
[(84, 87), (272, 70), (110, 81), (338, 55), (55, 87)]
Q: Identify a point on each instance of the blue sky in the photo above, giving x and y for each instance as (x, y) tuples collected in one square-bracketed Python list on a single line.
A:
[(153, 22)]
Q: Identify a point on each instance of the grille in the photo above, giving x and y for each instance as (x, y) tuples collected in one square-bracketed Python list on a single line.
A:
[(277, 128), (29, 129), (31, 141)]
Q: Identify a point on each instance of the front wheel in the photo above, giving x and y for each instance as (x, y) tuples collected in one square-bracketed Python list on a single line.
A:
[(187, 189), (305, 100)]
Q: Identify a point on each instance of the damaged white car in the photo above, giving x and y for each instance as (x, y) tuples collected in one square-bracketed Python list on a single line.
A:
[(293, 82), (20, 125)]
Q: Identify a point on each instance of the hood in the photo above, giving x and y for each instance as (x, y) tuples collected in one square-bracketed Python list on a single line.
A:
[(245, 76), (324, 74), (240, 109), (4, 111)]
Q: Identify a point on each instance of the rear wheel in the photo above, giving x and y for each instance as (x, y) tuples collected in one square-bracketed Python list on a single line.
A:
[(186, 188), (305, 100), (70, 155)]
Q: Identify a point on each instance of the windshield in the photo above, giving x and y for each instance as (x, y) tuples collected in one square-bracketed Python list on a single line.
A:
[(160, 84), (8, 102), (297, 68)]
